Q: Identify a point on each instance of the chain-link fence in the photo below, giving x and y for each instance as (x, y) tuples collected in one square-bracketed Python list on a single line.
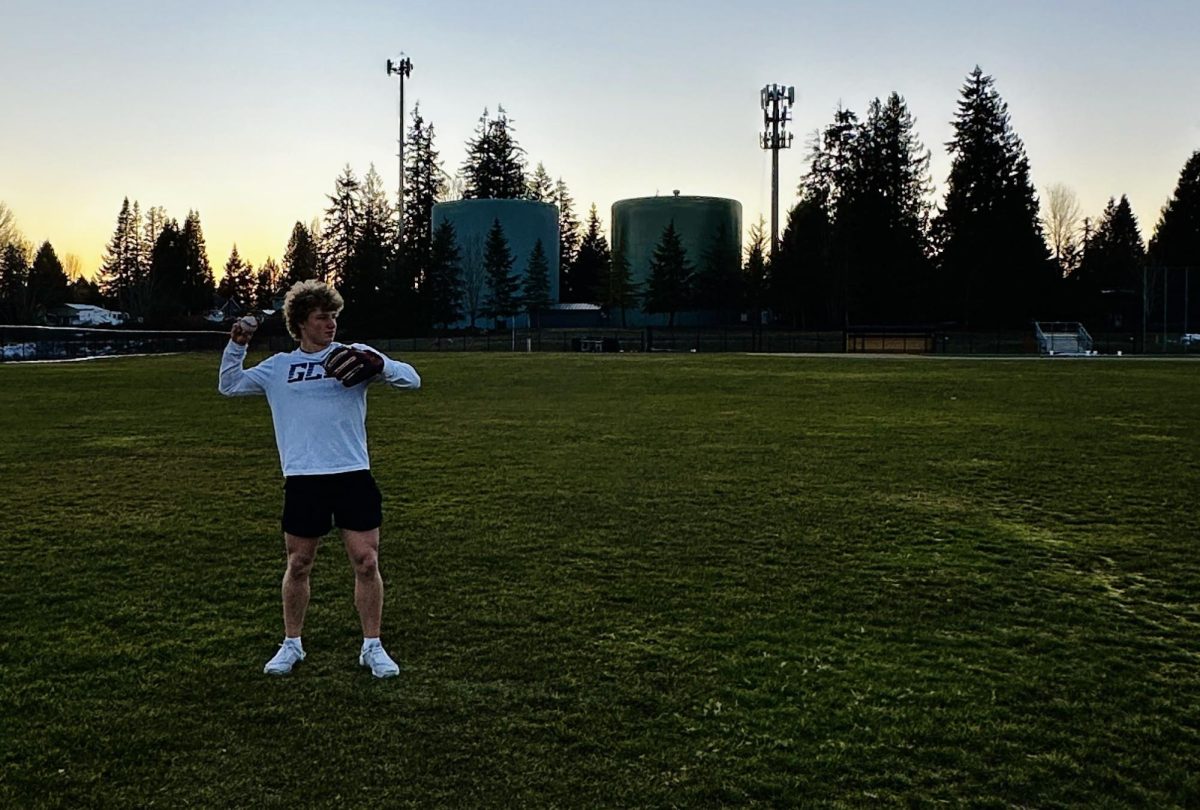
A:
[(74, 343), (69, 343)]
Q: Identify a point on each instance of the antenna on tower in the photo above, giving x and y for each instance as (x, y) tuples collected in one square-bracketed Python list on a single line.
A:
[(402, 68), (776, 103)]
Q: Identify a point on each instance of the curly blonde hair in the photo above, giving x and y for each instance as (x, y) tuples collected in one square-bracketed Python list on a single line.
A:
[(304, 298)]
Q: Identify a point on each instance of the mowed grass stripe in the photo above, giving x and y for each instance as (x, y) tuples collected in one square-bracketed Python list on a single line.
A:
[(616, 581)]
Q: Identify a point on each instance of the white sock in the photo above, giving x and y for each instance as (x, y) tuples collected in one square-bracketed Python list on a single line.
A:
[(370, 642), (293, 640)]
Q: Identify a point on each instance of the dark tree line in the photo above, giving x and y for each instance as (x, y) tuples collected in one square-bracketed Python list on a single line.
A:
[(865, 244)]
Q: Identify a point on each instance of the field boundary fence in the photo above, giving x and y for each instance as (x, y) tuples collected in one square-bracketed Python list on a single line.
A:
[(23, 343)]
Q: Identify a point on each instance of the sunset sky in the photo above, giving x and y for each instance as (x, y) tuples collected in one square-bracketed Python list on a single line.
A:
[(247, 111)]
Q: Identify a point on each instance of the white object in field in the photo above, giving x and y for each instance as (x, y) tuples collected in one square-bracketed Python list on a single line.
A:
[(248, 322)]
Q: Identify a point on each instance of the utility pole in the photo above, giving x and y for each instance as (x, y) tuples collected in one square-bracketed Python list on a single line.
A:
[(776, 103), (402, 68)]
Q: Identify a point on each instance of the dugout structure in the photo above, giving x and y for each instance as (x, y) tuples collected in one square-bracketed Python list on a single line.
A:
[(889, 341)]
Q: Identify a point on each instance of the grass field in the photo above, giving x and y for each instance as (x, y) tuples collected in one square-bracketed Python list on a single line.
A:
[(616, 581)]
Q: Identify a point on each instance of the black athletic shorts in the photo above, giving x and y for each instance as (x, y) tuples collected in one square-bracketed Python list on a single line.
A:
[(312, 504)]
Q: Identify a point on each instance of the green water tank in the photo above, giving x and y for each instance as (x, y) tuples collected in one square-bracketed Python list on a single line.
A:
[(524, 223), (638, 225)]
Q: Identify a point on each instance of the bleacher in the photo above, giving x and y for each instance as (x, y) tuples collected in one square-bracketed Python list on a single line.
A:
[(1063, 339)]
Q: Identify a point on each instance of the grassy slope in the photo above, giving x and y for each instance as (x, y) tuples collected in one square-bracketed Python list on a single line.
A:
[(614, 580)]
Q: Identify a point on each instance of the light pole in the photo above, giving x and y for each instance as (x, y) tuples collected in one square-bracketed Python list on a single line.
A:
[(776, 102), (401, 68)]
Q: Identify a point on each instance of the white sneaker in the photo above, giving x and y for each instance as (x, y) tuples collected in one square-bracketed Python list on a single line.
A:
[(381, 664), (290, 653)]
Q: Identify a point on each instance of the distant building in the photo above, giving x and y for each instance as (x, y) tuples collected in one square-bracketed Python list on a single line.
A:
[(84, 315)]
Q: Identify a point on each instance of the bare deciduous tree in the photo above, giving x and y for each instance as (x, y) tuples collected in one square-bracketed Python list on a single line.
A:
[(1061, 222), (8, 225)]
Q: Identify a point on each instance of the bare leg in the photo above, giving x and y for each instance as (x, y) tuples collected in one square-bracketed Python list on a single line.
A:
[(363, 550), (300, 554)]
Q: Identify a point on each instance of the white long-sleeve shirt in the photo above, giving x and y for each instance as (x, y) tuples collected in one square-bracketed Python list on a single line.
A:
[(320, 425)]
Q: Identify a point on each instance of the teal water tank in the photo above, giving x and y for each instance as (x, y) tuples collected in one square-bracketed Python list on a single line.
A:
[(524, 222), (638, 225)]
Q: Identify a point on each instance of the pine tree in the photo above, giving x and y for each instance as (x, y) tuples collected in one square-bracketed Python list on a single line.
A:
[(592, 267), (541, 186), (502, 283), (119, 269), (495, 164), (994, 264), (1109, 279), (47, 280), (365, 275), (1176, 240), (168, 275), (805, 287), (14, 283), (718, 282), (535, 293), (267, 283), (621, 291), (424, 185), (669, 287), (301, 260), (570, 289), (754, 272), (237, 283), (443, 282), (342, 220), (198, 282)]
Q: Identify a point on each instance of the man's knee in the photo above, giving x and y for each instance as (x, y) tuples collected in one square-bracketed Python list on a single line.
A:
[(366, 563), (299, 564)]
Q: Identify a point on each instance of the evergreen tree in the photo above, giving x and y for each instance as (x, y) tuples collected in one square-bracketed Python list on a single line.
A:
[(754, 272), (1176, 240), (119, 270), (1109, 279), (237, 283), (620, 290), (47, 281), (168, 275), (502, 283), (535, 293), (994, 265), (669, 287), (718, 282), (805, 287), (14, 283), (495, 164), (365, 276), (443, 281), (592, 268), (301, 260), (570, 289), (889, 217), (541, 186), (872, 180), (267, 283), (341, 224), (153, 223), (424, 185), (198, 283), (84, 291)]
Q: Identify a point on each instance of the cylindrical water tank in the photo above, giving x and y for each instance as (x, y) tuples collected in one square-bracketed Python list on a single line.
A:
[(524, 222), (638, 225)]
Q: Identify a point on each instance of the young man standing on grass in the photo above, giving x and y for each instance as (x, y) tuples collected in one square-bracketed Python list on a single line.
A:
[(318, 399)]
